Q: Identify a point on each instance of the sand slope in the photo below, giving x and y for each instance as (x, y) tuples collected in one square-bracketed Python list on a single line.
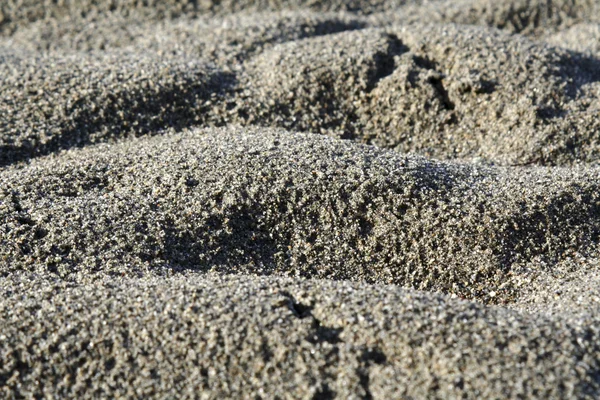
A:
[(301, 199), (248, 337)]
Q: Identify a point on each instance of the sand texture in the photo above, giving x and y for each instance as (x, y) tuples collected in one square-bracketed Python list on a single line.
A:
[(382, 199)]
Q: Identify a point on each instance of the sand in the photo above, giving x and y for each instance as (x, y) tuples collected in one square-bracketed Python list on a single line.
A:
[(300, 199)]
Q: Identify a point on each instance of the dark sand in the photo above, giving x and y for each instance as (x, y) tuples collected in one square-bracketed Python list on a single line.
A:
[(300, 199)]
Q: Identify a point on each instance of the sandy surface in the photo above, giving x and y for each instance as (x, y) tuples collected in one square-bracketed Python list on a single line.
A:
[(300, 199)]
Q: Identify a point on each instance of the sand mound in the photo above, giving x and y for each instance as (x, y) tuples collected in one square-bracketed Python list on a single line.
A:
[(264, 202), (247, 337), (299, 199), (444, 91), (447, 92), (582, 37), (53, 103)]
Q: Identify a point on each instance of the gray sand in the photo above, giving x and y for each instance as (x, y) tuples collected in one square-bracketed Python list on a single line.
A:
[(301, 199), (258, 201), (249, 337)]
